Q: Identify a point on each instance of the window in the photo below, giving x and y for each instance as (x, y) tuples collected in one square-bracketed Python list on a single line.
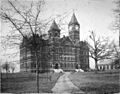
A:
[(71, 65), (64, 58), (61, 58), (68, 58), (65, 65), (56, 34), (56, 57), (61, 65), (68, 65)]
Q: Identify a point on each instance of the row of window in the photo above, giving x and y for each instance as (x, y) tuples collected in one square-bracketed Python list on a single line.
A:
[(84, 53), (66, 65), (59, 50), (58, 57), (64, 58), (105, 67), (84, 60), (68, 58)]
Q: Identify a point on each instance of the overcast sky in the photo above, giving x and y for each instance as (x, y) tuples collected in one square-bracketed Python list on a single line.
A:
[(94, 15), (91, 14)]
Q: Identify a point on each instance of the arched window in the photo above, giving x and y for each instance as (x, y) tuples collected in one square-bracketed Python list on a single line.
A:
[(65, 65), (56, 66), (61, 65), (68, 65), (71, 65)]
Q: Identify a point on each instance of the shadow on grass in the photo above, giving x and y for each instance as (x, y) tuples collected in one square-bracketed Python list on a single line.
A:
[(105, 82), (26, 82), (103, 89)]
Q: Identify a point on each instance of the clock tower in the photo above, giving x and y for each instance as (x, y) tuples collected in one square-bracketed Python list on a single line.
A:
[(74, 28)]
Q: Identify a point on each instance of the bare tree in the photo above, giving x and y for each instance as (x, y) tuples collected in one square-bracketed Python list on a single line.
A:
[(99, 49), (25, 23), (116, 55), (26, 20), (12, 67), (6, 66)]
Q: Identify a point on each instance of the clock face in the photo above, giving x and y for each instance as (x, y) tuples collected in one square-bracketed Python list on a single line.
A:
[(70, 28), (76, 27)]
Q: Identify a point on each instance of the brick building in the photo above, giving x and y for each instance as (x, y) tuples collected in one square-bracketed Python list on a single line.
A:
[(67, 52)]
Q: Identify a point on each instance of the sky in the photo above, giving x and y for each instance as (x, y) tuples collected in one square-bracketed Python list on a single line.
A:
[(96, 15)]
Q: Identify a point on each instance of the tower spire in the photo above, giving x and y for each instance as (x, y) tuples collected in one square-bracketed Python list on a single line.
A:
[(54, 31), (74, 27), (54, 26), (73, 20)]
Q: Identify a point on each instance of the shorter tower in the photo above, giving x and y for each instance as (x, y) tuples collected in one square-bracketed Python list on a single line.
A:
[(54, 37), (74, 28), (54, 32)]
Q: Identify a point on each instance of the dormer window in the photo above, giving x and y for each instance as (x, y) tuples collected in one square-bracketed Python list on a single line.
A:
[(56, 34)]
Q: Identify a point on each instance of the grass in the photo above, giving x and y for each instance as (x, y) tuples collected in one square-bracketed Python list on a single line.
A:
[(26, 82), (101, 83)]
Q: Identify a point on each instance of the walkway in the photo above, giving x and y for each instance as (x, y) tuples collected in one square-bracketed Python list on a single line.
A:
[(64, 85)]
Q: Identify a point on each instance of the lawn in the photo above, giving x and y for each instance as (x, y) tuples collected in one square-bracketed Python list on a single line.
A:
[(26, 82), (101, 83)]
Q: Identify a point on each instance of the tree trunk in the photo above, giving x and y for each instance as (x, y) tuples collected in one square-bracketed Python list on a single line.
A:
[(96, 66), (119, 64), (26, 59), (37, 71)]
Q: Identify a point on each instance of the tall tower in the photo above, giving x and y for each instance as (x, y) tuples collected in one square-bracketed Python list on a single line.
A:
[(54, 32), (74, 28), (54, 36)]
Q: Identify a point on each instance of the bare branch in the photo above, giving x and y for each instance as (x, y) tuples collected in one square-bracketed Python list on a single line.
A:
[(100, 49), (25, 18)]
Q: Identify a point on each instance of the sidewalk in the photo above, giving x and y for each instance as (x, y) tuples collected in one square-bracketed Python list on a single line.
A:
[(64, 85)]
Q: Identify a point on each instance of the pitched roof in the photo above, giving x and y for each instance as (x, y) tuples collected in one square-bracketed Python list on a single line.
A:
[(54, 26), (65, 40), (77, 43), (73, 20), (105, 61)]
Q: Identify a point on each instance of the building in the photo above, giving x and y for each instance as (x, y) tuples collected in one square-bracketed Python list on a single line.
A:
[(108, 64), (67, 52)]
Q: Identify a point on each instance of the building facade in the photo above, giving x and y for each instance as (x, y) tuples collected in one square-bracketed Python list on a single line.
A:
[(109, 64), (67, 52)]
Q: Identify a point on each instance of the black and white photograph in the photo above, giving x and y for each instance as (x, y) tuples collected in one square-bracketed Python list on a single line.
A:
[(60, 46)]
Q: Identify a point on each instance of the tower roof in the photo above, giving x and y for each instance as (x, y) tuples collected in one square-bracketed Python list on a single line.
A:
[(73, 20), (54, 26)]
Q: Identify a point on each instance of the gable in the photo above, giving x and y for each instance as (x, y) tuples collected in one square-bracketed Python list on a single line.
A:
[(77, 43), (67, 41)]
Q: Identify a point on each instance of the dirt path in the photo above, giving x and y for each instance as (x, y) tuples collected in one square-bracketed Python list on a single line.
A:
[(64, 85)]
